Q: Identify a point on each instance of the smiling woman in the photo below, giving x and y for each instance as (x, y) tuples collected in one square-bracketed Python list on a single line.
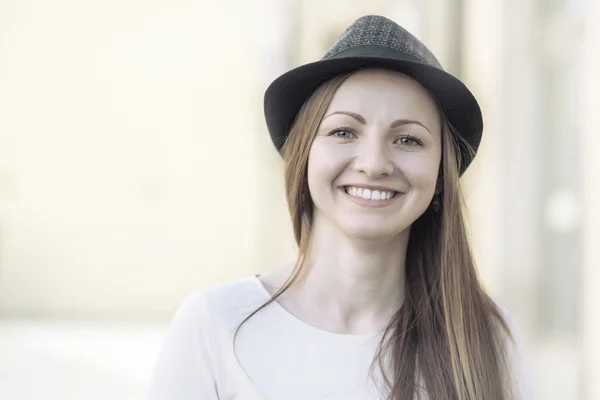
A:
[(391, 141), (383, 301)]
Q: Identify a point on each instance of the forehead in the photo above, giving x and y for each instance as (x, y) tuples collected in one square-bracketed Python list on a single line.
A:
[(378, 91)]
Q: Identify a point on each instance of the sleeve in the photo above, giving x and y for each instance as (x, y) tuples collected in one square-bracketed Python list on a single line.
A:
[(518, 361), (184, 369)]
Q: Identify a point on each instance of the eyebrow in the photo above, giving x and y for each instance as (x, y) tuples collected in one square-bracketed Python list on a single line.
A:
[(363, 121)]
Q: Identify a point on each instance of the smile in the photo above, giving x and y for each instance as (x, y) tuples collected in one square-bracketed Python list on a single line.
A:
[(368, 194)]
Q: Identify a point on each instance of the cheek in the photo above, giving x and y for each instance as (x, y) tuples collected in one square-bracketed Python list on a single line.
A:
[(421, 170), (324, 166)]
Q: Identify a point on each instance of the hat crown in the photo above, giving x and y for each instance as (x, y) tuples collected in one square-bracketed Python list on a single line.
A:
[(375, 30)]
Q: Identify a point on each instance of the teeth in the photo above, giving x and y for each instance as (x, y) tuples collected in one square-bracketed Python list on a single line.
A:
[(369, 194)]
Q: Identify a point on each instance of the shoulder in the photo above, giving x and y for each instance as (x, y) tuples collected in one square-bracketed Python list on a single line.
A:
[(516, 356), (196, 352), (507, 316), (223, 305)]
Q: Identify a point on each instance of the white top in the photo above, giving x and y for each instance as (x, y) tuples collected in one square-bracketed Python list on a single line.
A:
[(277, 356)]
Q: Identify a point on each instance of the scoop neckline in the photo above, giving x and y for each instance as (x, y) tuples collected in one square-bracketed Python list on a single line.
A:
[(305, 325)]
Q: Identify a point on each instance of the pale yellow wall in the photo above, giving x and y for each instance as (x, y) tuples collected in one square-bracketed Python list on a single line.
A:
[(128, 161)]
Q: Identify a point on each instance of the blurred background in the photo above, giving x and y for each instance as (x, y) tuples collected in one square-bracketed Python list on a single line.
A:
[(135, 166)]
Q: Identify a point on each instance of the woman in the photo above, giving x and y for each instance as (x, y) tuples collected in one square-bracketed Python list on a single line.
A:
[(383, 301)]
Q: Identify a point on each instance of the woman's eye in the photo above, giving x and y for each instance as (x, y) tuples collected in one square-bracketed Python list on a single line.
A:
[(409, 141), (342, 133)]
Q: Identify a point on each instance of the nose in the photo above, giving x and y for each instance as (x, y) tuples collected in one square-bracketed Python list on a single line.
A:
[(374, 159)]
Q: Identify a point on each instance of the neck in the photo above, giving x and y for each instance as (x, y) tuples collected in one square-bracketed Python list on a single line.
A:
[(351, 285)]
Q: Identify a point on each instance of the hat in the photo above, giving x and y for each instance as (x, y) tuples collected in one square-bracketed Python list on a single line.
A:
[(374, 41)]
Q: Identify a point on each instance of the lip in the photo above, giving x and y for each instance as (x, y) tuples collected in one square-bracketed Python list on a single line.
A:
[(371, 203)]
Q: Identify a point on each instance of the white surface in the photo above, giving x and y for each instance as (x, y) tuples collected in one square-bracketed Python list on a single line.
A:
[(68, 361)]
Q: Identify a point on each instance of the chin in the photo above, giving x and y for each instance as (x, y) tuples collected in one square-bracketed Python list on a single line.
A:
[(372, 232)]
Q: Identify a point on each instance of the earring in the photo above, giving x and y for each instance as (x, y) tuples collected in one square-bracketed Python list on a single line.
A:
[(435, 203)]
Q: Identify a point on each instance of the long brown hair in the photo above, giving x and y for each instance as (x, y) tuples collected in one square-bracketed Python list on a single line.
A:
[(448, 338)]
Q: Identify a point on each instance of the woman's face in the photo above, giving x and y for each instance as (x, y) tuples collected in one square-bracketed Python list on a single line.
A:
[(373, 165)]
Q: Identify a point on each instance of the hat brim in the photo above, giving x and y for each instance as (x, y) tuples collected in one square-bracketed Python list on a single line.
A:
[(285, 96)]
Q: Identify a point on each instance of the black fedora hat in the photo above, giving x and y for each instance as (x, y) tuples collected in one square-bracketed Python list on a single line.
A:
[(375, 41)]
